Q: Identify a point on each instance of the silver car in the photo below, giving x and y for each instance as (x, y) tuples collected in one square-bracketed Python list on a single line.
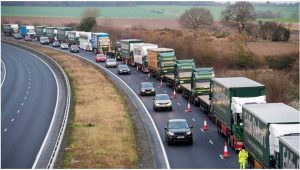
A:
[(110, 62), (64, 46), (162, 101)]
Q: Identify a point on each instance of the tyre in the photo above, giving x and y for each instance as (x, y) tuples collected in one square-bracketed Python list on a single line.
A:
[(170, 109), (191, 142)]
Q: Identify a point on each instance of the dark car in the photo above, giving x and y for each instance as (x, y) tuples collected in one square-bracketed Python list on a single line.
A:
[(178, 130), (55, 44), (162, 101), (111, 54), (74, 49), (123, 69), (28, 38), (147, 88), (18, 36)]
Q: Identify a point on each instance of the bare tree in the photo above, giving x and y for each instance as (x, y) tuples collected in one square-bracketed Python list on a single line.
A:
[(238, 15), (196, 18)]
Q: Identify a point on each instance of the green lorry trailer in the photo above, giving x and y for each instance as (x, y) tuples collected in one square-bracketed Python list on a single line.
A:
[(227, 97), (62, 33), (263, 125), (127, 46), (51, 33), (10, 29), (40, 31), (161, 62), (289, 149)]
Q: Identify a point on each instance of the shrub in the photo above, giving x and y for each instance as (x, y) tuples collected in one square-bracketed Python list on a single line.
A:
[(281, 62), (281, 34), (245, 60)]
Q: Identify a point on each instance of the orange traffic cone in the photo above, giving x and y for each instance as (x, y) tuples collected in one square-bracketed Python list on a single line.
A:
[(225, 154), (205, 126), (174, 94), (189, 109)]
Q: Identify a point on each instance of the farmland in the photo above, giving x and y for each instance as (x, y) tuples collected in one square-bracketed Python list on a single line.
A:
[(133, 12)]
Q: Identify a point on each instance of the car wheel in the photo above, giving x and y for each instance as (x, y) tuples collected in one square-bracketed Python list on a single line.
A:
[(171, 109), (191, 141), (154, 108)]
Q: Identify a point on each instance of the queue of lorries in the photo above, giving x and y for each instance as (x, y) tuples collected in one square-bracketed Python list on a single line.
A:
[(237, 105)]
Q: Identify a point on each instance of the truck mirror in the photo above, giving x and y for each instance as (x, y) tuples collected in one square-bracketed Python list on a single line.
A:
[(166, 128), (191, 127), (153, 99)]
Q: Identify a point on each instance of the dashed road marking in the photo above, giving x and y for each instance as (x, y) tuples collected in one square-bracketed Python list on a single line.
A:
[(178, 104), (12, 119), (202, 130), (5, 129), (25, 97), (211, 142), (22, 103), (194, 120), (221, 156), (18, 111), (27, 92)]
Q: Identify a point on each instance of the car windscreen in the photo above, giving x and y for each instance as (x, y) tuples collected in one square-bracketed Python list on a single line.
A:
[(178, 125), (110, 60), (123, 66), (162, 97), (74, 47), (147, 85)]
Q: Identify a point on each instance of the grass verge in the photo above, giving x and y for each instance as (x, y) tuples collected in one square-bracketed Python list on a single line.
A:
[(101, 134)]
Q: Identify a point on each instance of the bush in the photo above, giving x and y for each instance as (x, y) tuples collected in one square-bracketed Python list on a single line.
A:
[(281, 34), (245, 60), (267, 29), (281, 62)]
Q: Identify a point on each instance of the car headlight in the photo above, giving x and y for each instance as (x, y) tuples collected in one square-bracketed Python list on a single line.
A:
[(152, 89), (143, 90), (170, 133), (189, 132)]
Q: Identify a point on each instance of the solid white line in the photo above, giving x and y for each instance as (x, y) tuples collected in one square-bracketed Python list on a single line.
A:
[(55, 110), (211, 142), (152, 122), (3, 73)]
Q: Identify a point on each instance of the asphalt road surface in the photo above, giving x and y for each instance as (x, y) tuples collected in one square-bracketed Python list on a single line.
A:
[(29, 95), (208, 147)]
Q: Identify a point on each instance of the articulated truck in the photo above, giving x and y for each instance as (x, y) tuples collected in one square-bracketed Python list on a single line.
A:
[(40, 31), (127, 49), (161, 61), (263, 125), (51, 33), (10, 29), (199, 89), (85, 41), (118, 50), (228, 95), (140, 55), (100, 42), (27, 30), (182, 74), (62, 34), (289, 149)]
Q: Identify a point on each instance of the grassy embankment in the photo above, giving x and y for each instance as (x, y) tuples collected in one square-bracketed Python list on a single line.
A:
[(101, 134)]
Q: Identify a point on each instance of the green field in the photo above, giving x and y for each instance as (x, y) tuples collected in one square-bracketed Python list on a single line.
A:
[(143, 11)]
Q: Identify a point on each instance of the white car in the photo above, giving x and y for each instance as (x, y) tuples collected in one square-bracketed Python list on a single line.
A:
[(64, 46), (162, 101), (110, 62)]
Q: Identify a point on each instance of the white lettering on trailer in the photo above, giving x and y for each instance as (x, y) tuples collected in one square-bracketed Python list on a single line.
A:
[(288, 158)]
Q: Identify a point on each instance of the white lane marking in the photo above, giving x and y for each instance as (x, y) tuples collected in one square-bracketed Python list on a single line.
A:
[(28, 87), (29, 82), (211, 142), (55, 110), (194, 120), (27, 92), (25, 97), (221, 156), (178, 104), (12, 119), (3, 73), (202, 130), (5, 129), (152, 121), (22, 103), (18, 111), (28, 75)]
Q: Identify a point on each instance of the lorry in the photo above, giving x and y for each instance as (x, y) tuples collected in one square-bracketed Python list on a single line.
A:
[(85, 41), (51, 33), (40, 31), (100, 42), (127, 49), (199, 89), (161, 61), (140, 56), (289, 149), (62, 33), (182, 74), (10, 29), (118, 50), (227, 97), (27, 30), (264, 124)]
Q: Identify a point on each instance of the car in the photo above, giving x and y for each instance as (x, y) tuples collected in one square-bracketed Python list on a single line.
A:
[(162, 101), (28, 38), (147, 88), (64, 46), (110, 62), (100, 58), (55, 44), (178, 130), (123, 69), (44, 40), (74, 49), (18, 36), (111, 54)]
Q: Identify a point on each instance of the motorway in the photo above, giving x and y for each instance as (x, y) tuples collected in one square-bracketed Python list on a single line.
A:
[(208, 147), (28, 100)]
